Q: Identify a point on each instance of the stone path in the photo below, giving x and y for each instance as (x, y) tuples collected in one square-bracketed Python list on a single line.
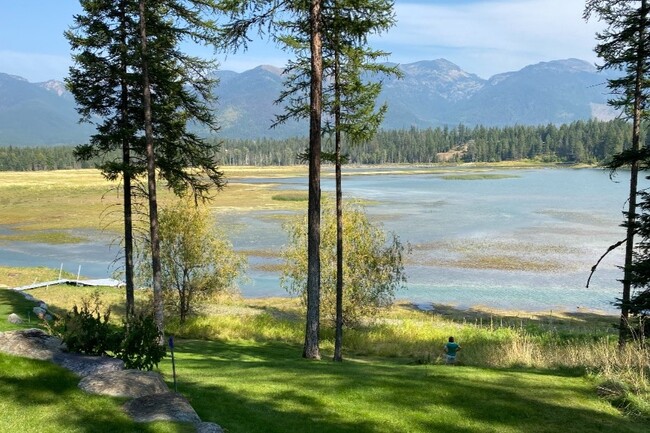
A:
[(151, 399)]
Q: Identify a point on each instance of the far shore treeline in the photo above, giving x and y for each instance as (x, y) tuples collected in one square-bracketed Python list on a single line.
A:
[(580, 142)]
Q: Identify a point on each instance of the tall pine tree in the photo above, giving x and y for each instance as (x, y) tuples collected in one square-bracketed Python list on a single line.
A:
[(146, 92), (624, 46), (349, 98)]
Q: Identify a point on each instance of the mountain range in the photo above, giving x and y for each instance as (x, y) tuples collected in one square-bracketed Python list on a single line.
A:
[(430, 93)]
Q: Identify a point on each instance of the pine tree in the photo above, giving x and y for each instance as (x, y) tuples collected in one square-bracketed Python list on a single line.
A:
[(624, 46), (349, 98), (276, 16), (132, 75)]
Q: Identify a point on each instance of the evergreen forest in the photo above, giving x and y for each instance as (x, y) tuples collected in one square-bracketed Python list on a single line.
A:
[(580, 142)]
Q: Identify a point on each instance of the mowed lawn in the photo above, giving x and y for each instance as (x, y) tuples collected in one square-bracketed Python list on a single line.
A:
[(266, 387), (41, 397)]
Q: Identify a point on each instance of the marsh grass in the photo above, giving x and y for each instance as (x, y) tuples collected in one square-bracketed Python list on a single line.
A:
[(494, 254), (15, 277), (62, 298), (291, 196), (44, 236)]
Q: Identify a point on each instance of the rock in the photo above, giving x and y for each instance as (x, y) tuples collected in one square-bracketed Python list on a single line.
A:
[(15, 319), (28, 296), (30, 343), (40, 313), (43, 305), (84, 365), (161, 407), (125, 383), (208, 427)]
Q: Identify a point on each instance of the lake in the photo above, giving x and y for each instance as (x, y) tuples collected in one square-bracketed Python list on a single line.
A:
[(511, 238)]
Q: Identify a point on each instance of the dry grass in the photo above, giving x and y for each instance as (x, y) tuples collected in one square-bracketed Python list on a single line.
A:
[(15, 277)]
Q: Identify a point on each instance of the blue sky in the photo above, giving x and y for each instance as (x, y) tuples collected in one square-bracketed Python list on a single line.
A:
[(484, 37)]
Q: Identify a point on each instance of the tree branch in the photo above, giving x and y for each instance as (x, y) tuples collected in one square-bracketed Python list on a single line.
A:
[(609, 250)]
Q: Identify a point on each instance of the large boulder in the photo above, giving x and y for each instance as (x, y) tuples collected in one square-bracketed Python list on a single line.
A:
[(125, 383), (85, 365), (31, 343), (161, 407)]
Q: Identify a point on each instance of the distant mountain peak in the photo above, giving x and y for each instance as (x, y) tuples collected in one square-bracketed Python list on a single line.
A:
[(13, 77), (427, 66), (272, 69), (431, 93), (566, 65), (54, 86)]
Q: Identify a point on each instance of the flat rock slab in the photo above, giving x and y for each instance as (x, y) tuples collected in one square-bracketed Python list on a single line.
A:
[(124, 383), (84, 365), (30, 343), (162, 407)]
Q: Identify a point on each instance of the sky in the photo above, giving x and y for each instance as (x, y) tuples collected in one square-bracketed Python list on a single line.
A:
[(482, 37)]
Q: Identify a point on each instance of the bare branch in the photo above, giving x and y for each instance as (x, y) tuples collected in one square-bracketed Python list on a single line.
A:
[(610, 249)]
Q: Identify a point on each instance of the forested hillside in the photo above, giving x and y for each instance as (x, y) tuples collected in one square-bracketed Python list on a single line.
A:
[(578, 142)]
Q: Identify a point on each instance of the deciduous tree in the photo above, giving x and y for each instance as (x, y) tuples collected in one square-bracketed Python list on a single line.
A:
[(197, 260), (373, 263)]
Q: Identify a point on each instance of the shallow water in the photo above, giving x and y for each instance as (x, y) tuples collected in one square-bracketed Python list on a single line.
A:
[(523, 242)]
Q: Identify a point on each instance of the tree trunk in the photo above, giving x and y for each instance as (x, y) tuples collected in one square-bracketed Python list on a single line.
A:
[(624, 327), (126, 173), (634, 175), (338, 338), (151, 179), (311, 349)]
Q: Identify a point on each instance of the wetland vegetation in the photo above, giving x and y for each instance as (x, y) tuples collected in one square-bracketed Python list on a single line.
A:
[(238, 358)]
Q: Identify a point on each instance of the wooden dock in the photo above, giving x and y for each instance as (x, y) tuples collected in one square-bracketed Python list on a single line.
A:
[(104, 282)]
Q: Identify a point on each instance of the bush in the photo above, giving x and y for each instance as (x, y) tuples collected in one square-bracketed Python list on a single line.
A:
[(85, 330), (140, 346), (373, 267)]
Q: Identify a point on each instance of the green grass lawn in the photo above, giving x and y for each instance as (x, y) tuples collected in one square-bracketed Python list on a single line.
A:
[(40, 397), (14, 302), (247, 380), (267, 387)]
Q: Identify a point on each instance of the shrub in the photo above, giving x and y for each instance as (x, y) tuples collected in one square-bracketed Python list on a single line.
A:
[(85, 330), (373, 267), (140, 346)]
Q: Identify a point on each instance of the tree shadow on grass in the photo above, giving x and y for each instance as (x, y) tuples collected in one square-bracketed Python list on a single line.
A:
[(14, 302), (38, 396), (267, 387)]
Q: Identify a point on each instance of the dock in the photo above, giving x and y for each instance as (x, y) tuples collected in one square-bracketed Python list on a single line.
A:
[(103, 282)]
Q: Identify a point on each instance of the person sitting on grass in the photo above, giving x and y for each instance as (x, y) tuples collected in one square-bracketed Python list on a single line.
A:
[(451, 349)]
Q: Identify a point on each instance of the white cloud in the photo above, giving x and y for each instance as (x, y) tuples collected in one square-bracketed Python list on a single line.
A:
[(493, 36)]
